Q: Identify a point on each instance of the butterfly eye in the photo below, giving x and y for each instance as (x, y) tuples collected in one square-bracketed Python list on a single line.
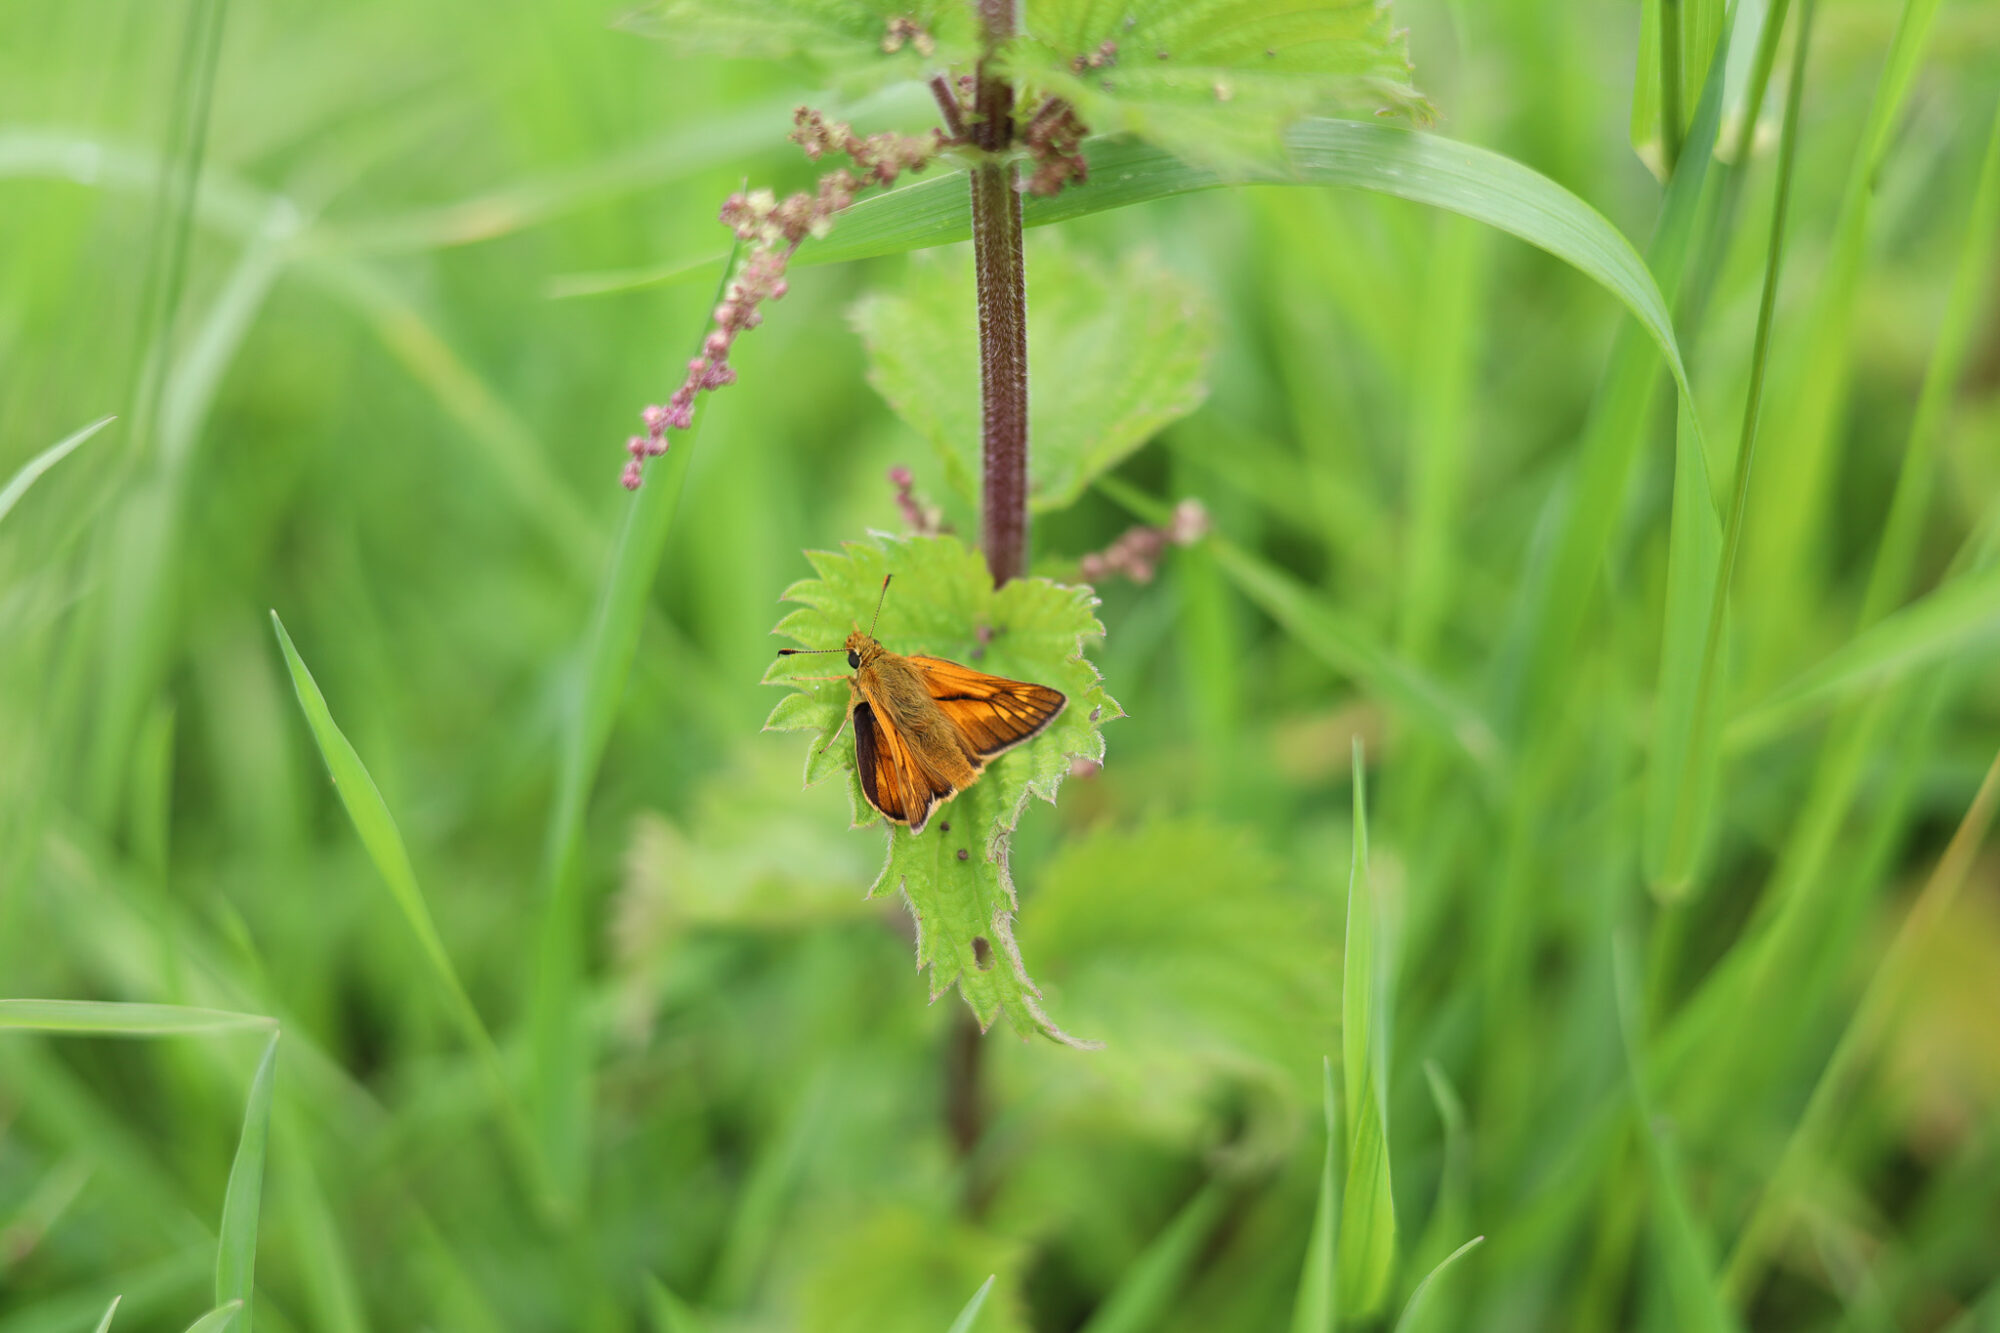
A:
[(854, 659)]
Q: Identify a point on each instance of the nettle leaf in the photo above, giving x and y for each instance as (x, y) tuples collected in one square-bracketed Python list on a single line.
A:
[(954, 875), (855, 44), (1114, 354), (1214, 80)]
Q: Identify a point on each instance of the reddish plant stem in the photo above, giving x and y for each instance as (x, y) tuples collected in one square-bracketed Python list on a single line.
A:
[(1003, 316)]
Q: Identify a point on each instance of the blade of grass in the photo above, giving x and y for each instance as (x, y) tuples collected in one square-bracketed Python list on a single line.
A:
[(1411, 1320), (1147, 1290), (376, 827), (104, 1324), (221, 1317), (963, 1324), (236, 1239), (1786, 542), (668, 1312), (561, 1037), (1864, 1028), (1339, 640), (31, 471), (1960, 618), (1685, 777), (1684, 1253), (1316, 1309), (105, 1018), (1368, 1207)]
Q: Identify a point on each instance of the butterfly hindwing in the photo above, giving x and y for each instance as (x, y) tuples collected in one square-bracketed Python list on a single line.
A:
[(992, 713)]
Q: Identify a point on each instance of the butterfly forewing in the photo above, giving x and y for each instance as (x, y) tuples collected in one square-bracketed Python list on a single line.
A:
[(891, 777), (992, 713)]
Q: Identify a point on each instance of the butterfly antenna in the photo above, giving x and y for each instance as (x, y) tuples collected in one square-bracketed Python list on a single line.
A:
[(878, 604), (807, 652)]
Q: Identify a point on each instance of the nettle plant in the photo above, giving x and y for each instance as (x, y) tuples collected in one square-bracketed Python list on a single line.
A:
[(1046, 110)]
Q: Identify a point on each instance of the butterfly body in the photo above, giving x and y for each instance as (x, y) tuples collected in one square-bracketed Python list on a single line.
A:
[(925, 728)]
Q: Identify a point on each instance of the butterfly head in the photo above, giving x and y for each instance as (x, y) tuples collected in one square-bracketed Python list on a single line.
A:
[(862, 648)]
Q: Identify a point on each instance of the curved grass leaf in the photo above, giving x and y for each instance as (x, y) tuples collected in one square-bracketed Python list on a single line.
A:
[(105, 1018), (955, 873), (1424, 168), (668, 1312), (370, 816), (1147, 1290), (963, 1324), (221, 1317), (236, 1239), (31, 471), (1412, 1316), (104, 1324), (1114, 355)]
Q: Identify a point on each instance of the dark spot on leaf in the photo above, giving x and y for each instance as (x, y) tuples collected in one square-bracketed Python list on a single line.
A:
[(962, 854), (945, 826), (982, 952), (1165, 55)]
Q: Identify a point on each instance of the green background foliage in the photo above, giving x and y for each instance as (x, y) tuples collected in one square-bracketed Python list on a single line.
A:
[(588, 1020)]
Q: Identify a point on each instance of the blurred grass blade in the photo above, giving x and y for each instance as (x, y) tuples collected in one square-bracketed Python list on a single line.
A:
[(1411, 1320), (1538, 667), (963, 1324), (1146, 1291), (1423, 168), (1682, 784), (1787, 539), (236, 1239), (1368, 1210), (1343, 643), (370, 816), (560, 1036), (104, 1324), (1676, 38), (1962, 618), (1317, 1306), (1694, 1294), (221, 1317), (111, 1019), (32, 470), (668, 1312), (1453, 1207), (1864, 1028)]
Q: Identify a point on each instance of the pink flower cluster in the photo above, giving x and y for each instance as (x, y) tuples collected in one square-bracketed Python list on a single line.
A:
[(1136, 555), (919, 515), (772, 229)]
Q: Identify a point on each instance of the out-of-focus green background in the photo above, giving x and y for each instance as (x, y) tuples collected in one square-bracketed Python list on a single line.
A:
[(360, 405)]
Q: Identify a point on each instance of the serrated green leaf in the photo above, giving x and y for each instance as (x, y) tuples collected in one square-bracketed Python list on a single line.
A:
[(1114, 353), (1213, 81), (954, 874), (854, 44)]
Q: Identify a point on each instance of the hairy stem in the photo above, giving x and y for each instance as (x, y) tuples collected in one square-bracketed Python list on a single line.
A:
[(1003, 314)]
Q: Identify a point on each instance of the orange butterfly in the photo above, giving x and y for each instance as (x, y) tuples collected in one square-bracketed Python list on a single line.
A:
[(925, 728)]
